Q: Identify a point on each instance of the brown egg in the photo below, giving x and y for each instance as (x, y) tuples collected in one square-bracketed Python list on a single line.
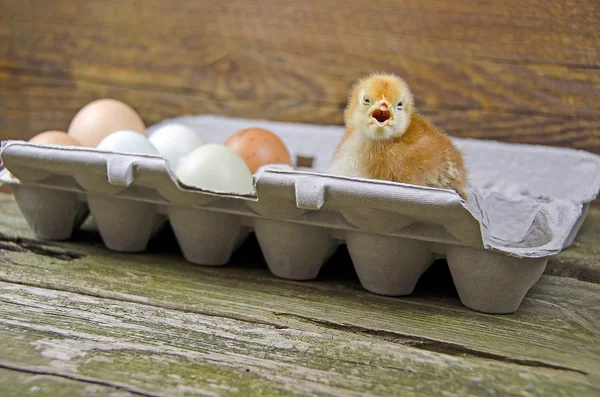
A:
[(100, 118), (55, 138), (258, 147)]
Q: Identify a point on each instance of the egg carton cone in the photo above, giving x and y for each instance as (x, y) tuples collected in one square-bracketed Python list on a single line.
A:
[(526, 203)]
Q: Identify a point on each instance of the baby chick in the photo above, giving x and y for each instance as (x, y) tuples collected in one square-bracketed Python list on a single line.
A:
[(387, 139)]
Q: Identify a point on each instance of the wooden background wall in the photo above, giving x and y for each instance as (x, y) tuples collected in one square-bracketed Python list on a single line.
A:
[(515, 70)]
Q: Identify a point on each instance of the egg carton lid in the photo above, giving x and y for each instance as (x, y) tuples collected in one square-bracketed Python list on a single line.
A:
[(526, 201)]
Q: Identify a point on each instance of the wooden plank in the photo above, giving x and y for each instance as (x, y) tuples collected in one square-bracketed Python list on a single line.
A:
[(33, 104), (151, 351), (20, 383), (520, 71), (582, 259), (533, 30), (154, 313), (314, 69)]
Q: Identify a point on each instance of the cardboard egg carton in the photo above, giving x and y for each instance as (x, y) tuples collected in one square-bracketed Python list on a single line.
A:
[(526, 203)]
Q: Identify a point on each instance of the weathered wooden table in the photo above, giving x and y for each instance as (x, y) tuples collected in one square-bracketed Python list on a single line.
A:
[(80, 320)]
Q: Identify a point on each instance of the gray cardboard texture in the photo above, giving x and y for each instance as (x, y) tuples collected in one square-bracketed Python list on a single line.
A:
[(526, 203)]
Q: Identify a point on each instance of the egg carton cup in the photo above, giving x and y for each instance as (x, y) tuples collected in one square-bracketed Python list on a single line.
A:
[(525, 204)]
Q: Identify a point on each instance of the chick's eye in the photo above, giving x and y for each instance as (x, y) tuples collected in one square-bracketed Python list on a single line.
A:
[(365, 101), (400, 105)]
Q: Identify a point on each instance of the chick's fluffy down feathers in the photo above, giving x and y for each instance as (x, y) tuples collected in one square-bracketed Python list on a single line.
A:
[(407, 149)]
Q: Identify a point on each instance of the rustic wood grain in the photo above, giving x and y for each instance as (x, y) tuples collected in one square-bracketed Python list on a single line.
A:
[(20, 383), (534, 30), (582, 259), (31, 108), (244, 70), (153, 325), (152, 351), (518, 71)]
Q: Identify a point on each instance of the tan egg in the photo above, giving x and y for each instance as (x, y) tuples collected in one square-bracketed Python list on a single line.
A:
[(55, 138), (258, 147), (101, 118)]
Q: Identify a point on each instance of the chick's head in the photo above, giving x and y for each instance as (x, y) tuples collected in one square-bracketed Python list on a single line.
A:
[(380, 107)]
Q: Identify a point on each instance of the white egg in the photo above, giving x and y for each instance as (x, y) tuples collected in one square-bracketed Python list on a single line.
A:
[(126, 141), (217, 168), (174, 141)]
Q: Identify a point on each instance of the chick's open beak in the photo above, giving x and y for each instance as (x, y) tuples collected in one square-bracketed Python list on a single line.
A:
[(382, 113)]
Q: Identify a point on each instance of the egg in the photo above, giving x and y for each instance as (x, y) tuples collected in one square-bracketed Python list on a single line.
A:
[(258, 147), (51, 138), (127, 142), (102, 117), (217, 168), (174, 141), (55, 138)]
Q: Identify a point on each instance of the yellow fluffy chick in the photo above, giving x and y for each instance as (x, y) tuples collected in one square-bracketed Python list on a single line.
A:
[(387, 139)]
